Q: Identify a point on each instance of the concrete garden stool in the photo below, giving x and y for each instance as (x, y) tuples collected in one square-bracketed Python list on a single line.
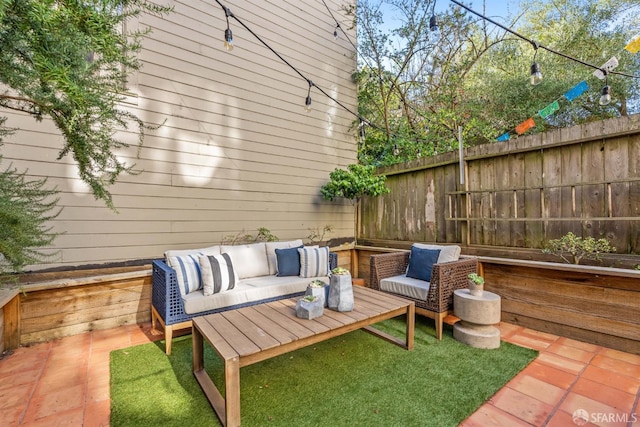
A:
[(478, 315)]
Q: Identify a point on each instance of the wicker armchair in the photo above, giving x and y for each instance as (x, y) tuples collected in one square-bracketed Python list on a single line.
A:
[(445, 278)]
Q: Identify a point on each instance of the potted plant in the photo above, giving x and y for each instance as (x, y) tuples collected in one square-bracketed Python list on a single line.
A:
[(319, 289), (309, 307), (476, 284), (340, 290)]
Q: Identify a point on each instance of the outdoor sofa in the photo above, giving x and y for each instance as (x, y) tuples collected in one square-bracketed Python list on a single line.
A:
[(427, 275), (189, 283)]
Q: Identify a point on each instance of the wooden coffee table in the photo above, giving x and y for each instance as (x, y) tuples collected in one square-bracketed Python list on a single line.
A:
[(252, 334)]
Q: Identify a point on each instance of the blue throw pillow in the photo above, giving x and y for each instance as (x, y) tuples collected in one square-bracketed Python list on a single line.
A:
[(421, 263), (288, 261)]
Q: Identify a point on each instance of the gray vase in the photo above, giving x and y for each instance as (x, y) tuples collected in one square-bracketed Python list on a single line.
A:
[(309, 309), (320, 292), (340, 292)]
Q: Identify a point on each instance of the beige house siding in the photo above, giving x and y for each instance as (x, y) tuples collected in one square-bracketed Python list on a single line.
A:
[(236, 150)]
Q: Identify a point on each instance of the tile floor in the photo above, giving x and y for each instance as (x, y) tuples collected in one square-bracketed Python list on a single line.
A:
[(66, 382)]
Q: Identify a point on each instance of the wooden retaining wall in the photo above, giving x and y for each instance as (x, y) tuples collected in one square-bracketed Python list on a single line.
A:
[(72, 306)]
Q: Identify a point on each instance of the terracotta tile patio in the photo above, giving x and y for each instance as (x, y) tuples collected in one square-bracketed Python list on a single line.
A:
[(66, 382)]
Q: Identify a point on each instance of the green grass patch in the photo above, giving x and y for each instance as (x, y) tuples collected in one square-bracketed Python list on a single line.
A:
[(352, 380)]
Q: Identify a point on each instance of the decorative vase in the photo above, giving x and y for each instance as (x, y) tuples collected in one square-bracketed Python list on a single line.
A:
[(319, 289), (340, 292), (309, 307), (475, 289)]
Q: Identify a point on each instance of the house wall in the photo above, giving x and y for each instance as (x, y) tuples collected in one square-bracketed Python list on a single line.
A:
[(235, 151)]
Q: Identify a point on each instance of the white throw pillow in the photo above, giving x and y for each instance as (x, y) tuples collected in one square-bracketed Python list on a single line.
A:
[(187, 272), (218, 274), (271, 252), (448, 253), (314, 262), (248, 260)]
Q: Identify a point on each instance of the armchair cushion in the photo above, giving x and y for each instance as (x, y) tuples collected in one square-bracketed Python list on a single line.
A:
[(407, 286), (448, 253), (421, 263)]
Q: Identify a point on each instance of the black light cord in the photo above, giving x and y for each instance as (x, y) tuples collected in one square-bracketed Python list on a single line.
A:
[(537, 45)]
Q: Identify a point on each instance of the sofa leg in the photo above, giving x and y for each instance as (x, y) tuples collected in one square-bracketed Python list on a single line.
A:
[(168, 335)]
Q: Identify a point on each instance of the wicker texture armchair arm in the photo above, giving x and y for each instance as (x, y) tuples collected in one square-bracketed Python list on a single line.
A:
[(446, 278), (387, 265)]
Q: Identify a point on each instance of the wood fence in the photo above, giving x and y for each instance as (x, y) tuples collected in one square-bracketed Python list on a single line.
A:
[(517, 194)]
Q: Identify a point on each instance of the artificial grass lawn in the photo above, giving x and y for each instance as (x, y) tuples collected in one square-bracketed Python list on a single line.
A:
[(351, 380)]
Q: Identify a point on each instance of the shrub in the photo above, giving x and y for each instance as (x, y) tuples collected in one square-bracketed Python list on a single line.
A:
[(572, 249)]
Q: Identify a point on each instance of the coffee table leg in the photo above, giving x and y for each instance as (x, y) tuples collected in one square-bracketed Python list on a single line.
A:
[(232, 391), (198, 350), (411, 320)]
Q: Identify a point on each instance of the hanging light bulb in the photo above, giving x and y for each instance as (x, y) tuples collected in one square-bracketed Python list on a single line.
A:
[(536, 74), (307, 101), (419, 153), (434, 30), (335, 32), (362, 132), (228, 35), (605, 99), (396, 150)]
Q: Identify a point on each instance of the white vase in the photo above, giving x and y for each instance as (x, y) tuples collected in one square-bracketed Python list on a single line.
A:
[(475, 289)]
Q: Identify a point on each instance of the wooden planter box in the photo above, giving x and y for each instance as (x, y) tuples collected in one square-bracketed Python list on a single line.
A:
[(599, 305)]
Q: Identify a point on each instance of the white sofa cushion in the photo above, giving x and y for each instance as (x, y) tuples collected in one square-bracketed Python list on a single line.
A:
[(407, 286), (248, 260), (218, 274), (448, 253), (247, 291), (271, 252)]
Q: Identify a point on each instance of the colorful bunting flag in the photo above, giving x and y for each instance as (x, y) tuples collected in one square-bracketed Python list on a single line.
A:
[(504, 137), (549, 109), (576, 91), (525, 126), (634, 45), (608, 66)]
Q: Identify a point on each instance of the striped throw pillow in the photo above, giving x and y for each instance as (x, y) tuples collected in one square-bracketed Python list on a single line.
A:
[(218, 274), (187, 272), (314, 262)]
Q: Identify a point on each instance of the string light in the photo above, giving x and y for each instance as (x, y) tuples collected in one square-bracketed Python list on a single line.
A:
[(605, 99), (335, 32), (434, 29), (228, 35), (548, 49), (396, 150), (536, 75), (307, 102)]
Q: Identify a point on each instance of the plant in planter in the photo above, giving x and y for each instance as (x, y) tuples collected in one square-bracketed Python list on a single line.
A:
[(319, 289), (340, 290), (354, 183), (309, 307), (572, 248), (476, 284)]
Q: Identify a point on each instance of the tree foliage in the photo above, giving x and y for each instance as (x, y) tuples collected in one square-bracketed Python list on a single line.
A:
[(69, 60), (418, 92), (353, 183), (25, 208)]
